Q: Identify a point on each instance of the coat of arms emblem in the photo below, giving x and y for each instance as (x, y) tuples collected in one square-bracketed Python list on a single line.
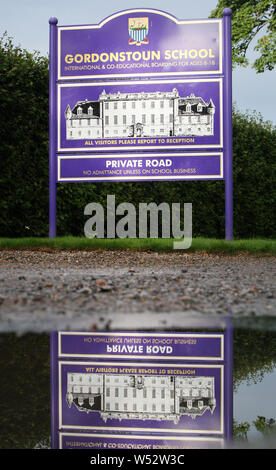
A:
[(138, 29)]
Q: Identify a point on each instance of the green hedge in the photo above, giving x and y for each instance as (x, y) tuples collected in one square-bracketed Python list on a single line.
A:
[(24, 167)]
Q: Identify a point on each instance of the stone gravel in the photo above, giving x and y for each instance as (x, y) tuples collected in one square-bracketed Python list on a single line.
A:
[(47, 289)]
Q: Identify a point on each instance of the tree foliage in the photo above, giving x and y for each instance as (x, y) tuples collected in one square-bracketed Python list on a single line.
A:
[(265, 426), (254, 355), (23, 137), (25, 368), (25, 414), (240, 430), (249, 18)]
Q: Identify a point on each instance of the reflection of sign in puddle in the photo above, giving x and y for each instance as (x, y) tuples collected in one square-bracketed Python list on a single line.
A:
[(175, 384)]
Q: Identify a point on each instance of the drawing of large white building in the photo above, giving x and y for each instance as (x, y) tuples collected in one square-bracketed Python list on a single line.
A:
[(143, 114), (141, 397)]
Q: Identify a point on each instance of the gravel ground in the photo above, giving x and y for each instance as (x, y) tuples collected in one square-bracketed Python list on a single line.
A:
[(46, 290)]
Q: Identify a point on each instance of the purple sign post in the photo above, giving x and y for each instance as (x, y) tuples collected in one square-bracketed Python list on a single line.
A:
[(227, 12), (155, 103), (163, 389), (52, 127)]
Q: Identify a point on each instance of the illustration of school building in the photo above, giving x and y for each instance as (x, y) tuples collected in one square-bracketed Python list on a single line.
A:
[(141, 397), (152, 114)]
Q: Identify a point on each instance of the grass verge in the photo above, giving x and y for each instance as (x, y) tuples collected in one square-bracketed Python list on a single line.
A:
[(210, 245)]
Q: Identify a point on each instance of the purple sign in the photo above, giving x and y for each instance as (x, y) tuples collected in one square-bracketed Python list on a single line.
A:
[(141, 397), (140, 42), (180, 111), (140, 115), (137, 167), (99, 442), (182, 346)]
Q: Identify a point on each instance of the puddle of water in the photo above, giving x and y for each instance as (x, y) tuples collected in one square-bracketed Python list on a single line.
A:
[(25, 386)]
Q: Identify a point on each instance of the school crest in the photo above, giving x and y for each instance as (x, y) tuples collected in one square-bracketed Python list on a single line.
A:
[(138, 29)]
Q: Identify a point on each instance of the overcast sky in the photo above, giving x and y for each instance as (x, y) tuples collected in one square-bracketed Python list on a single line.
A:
[(27, 22)]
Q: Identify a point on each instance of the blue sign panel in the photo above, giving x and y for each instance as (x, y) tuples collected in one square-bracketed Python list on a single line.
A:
[(189, 108), (175, 384), (137, 167), (140, 42), (139, 115)]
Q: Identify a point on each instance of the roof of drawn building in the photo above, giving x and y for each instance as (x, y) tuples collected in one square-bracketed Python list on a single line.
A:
[(194, 101), (140, 95), (85, 105)]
